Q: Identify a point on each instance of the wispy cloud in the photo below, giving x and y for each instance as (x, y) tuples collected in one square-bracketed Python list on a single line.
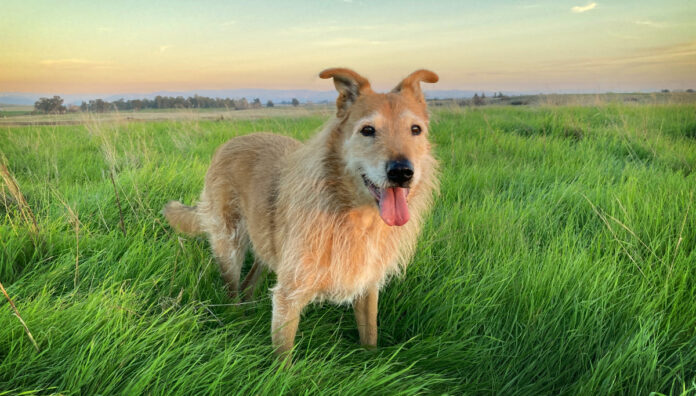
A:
[(348, 42), (622, 36), (336, 27), (105, 29), (70, 62), (677, 54), (332, 27), (67, 64), (646, 22), (580, 9), (228, 24), (163, 48)]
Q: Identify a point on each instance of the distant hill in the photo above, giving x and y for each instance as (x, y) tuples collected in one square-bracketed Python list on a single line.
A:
[(276, 95), (18, 99)]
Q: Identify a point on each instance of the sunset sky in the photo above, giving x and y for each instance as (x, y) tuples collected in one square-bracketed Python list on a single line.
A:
[(532, 45)]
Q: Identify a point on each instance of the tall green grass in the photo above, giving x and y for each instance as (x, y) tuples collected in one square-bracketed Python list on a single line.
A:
[(560, 258)]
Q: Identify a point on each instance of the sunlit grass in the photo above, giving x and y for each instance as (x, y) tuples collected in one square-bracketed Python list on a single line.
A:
[(560, 258)]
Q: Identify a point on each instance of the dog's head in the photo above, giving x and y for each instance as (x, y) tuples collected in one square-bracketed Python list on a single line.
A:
[(384, 139)]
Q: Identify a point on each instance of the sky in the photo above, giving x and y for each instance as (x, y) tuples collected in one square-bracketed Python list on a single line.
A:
[(127, 46)]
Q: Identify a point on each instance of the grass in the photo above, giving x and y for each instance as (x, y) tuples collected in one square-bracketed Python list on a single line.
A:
[(15, 111), (559, 259)]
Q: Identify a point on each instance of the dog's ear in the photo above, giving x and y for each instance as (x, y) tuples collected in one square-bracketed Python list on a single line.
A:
[(349, 85), (411, 84)]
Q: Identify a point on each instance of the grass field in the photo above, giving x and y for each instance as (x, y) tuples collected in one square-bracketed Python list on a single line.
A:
[(14, 111), (12, 117), (560, 259)]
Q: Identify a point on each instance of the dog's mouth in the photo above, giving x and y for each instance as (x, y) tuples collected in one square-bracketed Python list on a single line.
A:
[(393, 208)]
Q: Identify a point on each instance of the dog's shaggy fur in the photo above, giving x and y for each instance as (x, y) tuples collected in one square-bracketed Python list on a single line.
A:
[(315, 213)]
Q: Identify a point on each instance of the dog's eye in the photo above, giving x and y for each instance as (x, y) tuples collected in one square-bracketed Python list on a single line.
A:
[(415, 130), (368, 130)]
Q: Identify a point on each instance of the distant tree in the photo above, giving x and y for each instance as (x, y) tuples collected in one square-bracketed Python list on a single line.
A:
[(180, 103), (136, 104), (478, 101), (52, 105), (665, 91), (295, 102), (119, 105), (160, 102), (241, 104), (690, 90), (101, 106)]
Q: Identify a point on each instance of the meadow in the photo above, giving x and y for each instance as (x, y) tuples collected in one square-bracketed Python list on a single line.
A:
[(560, 258)]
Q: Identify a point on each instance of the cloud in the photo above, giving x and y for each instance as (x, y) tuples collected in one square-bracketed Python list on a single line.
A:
[(69, 62), (78, 64), (580, 9), (336, 27), (677, 54), (105, 29), (228, 24), (163, 48), (622, 36), (348, 42), (650, 23)]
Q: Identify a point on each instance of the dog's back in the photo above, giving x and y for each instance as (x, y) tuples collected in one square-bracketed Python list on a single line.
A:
[(238, 200)]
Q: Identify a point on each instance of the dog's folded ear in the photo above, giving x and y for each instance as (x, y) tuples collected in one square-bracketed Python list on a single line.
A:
[(349, 85), (411, 84)]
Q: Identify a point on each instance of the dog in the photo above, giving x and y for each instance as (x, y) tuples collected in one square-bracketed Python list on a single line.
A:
[(334, 217)]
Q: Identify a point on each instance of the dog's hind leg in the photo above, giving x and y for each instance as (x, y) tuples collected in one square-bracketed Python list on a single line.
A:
[(230, 249), (251, 281), (229, 240)]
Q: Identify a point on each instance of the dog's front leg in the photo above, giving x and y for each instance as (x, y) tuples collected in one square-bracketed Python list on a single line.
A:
[(287, 308), (365, 307)]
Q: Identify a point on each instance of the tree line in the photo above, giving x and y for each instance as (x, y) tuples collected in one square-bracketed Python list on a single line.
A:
[(55, 105)]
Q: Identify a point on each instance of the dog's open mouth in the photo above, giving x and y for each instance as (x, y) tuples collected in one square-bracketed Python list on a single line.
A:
[(393, 208)]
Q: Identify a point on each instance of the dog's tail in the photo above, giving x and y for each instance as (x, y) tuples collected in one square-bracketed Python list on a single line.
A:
[(183, 218)]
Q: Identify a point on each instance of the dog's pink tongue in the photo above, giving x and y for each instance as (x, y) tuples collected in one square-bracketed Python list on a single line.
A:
[(392, 206)]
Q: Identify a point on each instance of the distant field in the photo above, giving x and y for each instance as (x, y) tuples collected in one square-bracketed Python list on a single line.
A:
[(12, 111), (655, 98), (559, 259), (24, 117)]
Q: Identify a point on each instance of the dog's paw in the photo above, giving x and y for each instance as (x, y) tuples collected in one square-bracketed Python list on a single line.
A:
[(369, 347)]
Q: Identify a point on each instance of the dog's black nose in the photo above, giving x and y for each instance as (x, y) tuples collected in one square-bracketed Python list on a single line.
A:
[(399, 171)]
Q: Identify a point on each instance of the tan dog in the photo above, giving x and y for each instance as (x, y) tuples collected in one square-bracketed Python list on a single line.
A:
[(333, 217)]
